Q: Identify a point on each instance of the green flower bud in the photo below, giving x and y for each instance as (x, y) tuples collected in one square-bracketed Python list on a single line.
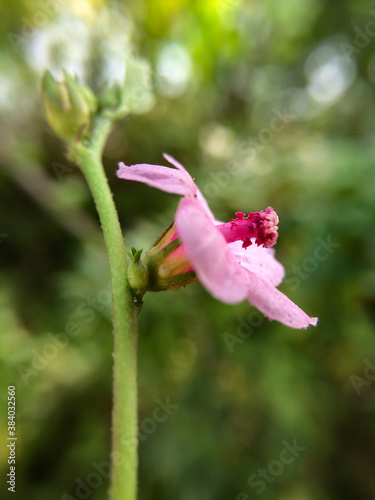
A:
[(68, 106), (138, 275), (134, 95), (112, 103)]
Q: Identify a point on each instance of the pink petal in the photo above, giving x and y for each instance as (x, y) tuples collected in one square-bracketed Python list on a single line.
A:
[(203, 202), (259, 260), (274, 304), (208, 253), (175, 163), (199, 195), (164, 178)]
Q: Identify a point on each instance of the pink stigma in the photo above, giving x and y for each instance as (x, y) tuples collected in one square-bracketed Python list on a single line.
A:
[(259, 225)]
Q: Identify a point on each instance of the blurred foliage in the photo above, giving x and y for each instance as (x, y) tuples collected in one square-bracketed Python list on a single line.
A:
[(224, 72)]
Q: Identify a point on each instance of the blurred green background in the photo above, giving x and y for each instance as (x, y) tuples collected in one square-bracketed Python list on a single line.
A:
[(266, 103)]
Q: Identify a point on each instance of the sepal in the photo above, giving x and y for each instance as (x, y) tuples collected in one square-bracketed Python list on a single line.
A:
[(68, 106)]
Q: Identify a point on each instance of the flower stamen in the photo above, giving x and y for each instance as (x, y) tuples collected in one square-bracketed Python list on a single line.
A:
[(261, 226)]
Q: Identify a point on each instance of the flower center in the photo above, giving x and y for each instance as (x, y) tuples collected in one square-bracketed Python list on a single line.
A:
[(259, 225)]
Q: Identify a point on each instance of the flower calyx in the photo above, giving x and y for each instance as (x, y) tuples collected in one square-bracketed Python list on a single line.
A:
[(167, 264), (68, 106)]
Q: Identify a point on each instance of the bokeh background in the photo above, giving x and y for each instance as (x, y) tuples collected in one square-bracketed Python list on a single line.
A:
[(266, 103)]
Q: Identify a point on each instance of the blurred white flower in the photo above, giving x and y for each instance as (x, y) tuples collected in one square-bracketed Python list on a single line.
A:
[(65, 42), (329, 73), (174, 69), (75, 43)]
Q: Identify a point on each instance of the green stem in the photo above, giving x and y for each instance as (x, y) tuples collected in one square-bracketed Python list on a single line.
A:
[(125, 317)]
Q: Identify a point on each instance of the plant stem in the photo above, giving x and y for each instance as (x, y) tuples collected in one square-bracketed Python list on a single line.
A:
[(125, 317)]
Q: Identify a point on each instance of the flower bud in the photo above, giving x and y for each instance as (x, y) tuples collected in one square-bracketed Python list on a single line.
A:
[(112, 103), (68, 106), (138, 275), (133, 95)]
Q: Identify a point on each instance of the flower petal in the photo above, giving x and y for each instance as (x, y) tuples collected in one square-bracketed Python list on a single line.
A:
[(274, 304), (207, 250), (260, 260), (198, 194), (175, 163), (164, 178)]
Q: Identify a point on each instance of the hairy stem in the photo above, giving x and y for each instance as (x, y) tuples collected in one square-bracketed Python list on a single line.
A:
[(88, 156)]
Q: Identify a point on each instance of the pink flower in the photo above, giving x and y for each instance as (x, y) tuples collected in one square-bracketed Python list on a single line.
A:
[(223, 256)]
